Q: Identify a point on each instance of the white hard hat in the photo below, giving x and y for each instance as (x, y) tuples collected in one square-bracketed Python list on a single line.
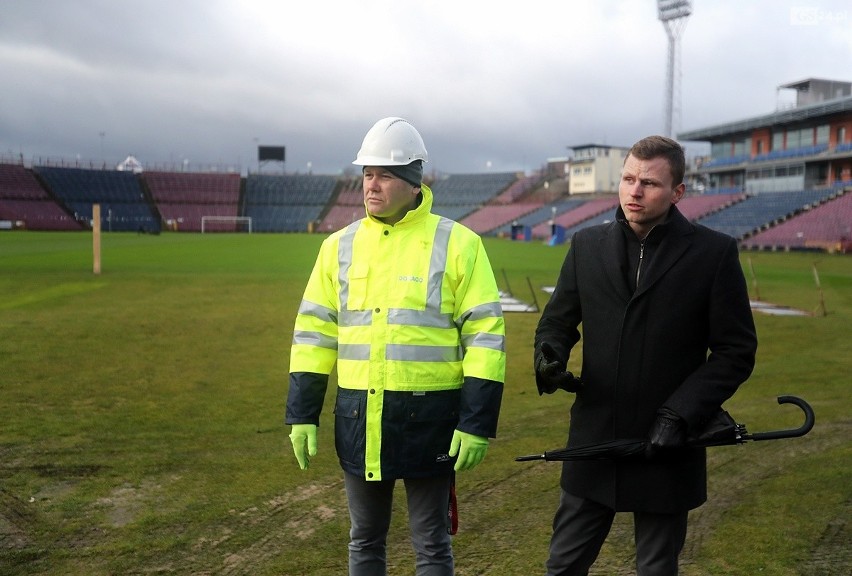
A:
[(391, 142)]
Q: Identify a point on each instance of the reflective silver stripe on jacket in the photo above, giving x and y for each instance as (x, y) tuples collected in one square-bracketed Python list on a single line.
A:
[(320, 312), (314, 339), (344, 258), (354, 352), (485, 340), (422, 353)]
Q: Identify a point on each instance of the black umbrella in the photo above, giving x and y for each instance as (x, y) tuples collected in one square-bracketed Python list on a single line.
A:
[(722, 430)]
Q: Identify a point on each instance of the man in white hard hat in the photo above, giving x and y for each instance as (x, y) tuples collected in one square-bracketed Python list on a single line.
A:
[(405, 303)]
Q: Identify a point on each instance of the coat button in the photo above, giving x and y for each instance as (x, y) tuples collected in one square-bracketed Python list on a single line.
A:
[(369, 474)]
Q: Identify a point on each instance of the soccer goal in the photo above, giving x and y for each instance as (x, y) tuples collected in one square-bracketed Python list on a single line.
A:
[(225, 224)]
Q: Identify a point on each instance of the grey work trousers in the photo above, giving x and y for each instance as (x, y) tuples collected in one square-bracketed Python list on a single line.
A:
[(580, 527), (370, 505)]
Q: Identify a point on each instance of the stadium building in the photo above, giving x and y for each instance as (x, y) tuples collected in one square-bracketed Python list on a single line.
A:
[(792, 162)]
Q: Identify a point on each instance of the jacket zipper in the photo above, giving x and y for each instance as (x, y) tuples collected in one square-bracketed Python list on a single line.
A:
[(641, 255)]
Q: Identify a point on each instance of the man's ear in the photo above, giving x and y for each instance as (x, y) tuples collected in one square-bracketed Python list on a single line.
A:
[(679, 191)]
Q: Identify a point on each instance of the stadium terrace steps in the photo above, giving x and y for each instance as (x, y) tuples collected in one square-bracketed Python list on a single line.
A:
[(695, 207), (761, 210), (494, 216), (18, 183), (578, 218)]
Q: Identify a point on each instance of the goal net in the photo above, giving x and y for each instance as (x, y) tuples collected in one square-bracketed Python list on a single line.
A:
[(225, 224)]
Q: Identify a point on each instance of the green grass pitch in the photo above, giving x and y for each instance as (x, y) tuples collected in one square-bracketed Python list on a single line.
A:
[(141, 421)]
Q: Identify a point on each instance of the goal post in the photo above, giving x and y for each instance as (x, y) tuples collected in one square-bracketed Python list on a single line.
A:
[(225, 224)]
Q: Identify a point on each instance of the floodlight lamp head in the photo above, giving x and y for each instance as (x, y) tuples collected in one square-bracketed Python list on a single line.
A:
[(673, 9)]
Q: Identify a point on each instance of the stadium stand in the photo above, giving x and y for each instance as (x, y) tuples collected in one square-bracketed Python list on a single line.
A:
[(455, 212), (287, 203), (727, 161), (494, 216), (352, 194), (790, 153), (762, 210), (580, 217), (193, 188), (542, 215), (825, 227), (53, 198), (348, 207), (25, 204), (695, 207), (123, 203), (471, 189), (518, 189), (339, 216), (458, 195), (18, 183), (184, 198)]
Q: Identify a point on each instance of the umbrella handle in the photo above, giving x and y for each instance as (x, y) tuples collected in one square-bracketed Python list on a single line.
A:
[(793, 433)]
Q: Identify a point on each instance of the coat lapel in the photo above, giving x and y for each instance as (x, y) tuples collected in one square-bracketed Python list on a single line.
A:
[(614, 261)]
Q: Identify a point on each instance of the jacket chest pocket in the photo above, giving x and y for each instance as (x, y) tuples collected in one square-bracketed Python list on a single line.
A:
[(358, 274)]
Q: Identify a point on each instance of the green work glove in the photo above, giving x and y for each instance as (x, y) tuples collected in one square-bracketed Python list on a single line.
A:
[(302, 435), (469, 448)]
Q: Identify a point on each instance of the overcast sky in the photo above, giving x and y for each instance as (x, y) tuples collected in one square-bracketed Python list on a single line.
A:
[(490, 84)]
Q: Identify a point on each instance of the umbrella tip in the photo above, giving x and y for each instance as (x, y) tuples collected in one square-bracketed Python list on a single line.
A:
[(529, 457)]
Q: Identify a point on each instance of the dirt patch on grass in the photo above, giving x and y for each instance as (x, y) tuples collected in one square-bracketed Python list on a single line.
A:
[(295, 516), (124, 503), (833, 554), (15, 520)]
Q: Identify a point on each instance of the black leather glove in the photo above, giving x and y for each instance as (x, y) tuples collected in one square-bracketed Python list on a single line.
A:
[(550, 373), (668, 431)]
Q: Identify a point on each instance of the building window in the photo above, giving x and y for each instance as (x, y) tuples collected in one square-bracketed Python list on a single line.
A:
[(822, 134), (720, 149), (794, 139)]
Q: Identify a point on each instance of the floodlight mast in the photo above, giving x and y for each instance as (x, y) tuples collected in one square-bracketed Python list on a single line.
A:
[(673, 15)]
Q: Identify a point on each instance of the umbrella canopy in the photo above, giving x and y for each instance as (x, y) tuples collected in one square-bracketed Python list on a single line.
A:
[(722, 430)]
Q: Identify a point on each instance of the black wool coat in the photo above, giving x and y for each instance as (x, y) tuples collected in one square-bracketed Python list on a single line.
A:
[(684, 338)]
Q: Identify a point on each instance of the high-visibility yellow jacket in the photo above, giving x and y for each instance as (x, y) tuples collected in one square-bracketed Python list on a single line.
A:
[(411, 316)]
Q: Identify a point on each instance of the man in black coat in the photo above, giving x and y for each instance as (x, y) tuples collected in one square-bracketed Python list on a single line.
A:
[(668, 336)]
